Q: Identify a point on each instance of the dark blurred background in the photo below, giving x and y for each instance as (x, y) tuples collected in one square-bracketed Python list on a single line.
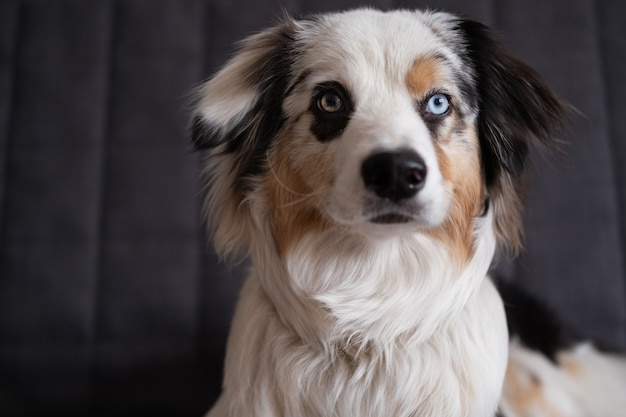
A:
[(111, 299)]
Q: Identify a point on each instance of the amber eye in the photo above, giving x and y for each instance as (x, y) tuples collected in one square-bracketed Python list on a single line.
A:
[(330, 102)]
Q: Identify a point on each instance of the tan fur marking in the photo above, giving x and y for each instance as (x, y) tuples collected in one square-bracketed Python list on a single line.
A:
[(460, 168), (570, 366), (458, 161), (292, 195), (507, 207), (423, 76), (524, 393)]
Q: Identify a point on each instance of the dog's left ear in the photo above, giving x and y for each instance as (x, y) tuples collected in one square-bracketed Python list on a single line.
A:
[(516, 110)]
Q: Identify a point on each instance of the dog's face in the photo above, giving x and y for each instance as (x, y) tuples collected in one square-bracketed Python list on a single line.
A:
[(374, 123), (385, 114)]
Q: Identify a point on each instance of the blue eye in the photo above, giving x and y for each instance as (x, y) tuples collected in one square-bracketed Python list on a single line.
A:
[(438, 104)]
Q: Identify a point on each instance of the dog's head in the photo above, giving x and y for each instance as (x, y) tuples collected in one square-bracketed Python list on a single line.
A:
[(374, 123)]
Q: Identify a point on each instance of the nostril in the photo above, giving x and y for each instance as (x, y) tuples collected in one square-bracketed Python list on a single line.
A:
[(394, 175), (415, 174)]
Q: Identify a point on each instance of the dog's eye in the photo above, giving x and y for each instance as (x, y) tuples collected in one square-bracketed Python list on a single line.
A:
[(331, 107), (438, 104), (330, 102)]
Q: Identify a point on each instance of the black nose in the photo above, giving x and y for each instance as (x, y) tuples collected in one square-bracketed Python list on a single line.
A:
[(394, 176)]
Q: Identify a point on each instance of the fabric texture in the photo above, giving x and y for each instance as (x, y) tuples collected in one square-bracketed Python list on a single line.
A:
[(111, 298)]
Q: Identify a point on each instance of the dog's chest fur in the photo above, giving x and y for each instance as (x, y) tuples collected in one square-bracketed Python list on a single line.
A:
[(341, 351), (277, 375)]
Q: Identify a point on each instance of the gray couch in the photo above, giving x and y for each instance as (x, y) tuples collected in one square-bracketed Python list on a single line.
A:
[(112, 301)]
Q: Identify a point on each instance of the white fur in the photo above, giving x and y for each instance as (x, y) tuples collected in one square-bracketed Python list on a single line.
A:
[(366, 328)]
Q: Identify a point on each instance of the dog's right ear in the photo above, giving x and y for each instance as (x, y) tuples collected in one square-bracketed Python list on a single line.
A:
[(241, 104), (237, 114)]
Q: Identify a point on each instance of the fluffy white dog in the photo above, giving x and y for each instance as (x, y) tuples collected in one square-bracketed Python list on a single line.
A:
[(369, 163)]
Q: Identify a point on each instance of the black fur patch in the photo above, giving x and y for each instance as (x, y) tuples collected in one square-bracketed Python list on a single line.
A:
[(202, 136), (515, 104), (327, 126), (536, 325)]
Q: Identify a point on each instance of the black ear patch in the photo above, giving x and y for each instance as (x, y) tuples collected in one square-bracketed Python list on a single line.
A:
[(203, 137), (516, 109), (515, 104), (262, 66)]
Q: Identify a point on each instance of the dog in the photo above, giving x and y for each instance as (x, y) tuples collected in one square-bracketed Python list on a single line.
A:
[(370, 164)]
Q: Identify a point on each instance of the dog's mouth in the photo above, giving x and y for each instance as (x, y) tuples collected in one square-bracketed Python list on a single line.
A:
[(391, 218), (385, 212)]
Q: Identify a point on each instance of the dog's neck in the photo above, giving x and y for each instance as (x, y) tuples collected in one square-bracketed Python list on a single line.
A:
[(344, 292)]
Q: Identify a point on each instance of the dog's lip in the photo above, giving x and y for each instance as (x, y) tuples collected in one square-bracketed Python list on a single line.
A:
[(391, 218), (385, 212)]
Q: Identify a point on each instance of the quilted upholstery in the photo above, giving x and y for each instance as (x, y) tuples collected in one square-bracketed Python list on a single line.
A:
[(112, 302)]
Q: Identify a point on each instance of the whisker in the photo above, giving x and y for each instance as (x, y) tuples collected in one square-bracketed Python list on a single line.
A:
[(269, 164), (299, 200)]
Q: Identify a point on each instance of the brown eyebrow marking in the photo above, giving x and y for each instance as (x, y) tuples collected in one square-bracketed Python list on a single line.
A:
[(425, 74)]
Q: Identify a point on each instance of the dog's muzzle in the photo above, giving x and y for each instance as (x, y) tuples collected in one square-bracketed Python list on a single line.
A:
[(394, 176)]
